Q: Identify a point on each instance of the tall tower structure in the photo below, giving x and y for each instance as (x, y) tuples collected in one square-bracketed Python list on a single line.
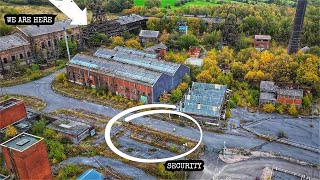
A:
[(294, 42), (26, 157)]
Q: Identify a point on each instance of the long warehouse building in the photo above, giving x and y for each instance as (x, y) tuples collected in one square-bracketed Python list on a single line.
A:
[(130, 81), (174, 71)]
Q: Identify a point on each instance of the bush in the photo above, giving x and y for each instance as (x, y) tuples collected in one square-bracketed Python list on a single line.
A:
[(269, 108), (280, 108), (282, 134), (61, 78), (10, 132), (35, 76), (174, 148), (70, 172), (39, 127), (292, 110), (35, 67)]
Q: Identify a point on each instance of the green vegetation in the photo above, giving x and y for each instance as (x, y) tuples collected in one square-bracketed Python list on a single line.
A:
[(269, 108), (29, 73), (282, 134), (10, 132), (55, 148), (61, 85), (70, 172), (30, 101)]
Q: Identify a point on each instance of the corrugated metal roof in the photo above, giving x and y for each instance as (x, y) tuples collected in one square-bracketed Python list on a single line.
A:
[(110, 67), (291, 92), (135, 52), (156, 47), (123, 20), (12, 41), (149, 34), (34, 30), (204, 99), (134, 59)]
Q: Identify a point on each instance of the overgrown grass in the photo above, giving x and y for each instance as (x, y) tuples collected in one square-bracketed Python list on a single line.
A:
[(30, 101)]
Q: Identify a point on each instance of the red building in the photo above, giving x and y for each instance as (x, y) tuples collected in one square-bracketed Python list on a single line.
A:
[(290, 96), (26, 157), (11, 110), (194, 52), (262, 42)]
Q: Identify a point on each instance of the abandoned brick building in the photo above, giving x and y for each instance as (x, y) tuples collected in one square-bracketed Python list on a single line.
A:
[(13, 47), (132, 74), (271, 93), (44, 40), (26, 157), (262, 42), (31, 42), (115, 27), (11, 111), (148, 36)]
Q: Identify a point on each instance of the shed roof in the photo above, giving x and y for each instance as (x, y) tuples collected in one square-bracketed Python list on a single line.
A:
[(91, 174), (68, 126), (149, 34), (123, 20), (268, 96), (204, 99), (156, 47), (21, 142), (134, 59), (34, 30), (195, 61), (291, 92), (135, 52), (267, 37), (267, 86), (114, 68), (9, 103), (12, 41)]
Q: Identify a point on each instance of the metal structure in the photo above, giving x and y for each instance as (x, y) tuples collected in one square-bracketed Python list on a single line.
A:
[(294, 42)]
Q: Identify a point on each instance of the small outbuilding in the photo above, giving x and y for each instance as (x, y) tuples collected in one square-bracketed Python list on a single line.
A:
[(262, 42), (149, 36), (73, 130)]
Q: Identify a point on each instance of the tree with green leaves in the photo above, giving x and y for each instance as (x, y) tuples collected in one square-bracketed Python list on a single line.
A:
[(152, 3), (187, 40)]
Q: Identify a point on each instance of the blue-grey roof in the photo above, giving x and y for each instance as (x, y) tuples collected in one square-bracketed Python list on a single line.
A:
[(21, 142), (91, 174), (204, 99), (156, 47), (135, 52), (149, 34), (67, 126), (114, 68), (34, 30), (123, 20), (134, 59), (12, 41)]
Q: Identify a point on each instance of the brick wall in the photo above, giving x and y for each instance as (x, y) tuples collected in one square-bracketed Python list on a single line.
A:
[(122, 87), (32, 163), (48, 44), (12, 114), (8, 57)]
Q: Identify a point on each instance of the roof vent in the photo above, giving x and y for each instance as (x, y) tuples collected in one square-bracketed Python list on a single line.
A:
[(22, 142), (198, 106)]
